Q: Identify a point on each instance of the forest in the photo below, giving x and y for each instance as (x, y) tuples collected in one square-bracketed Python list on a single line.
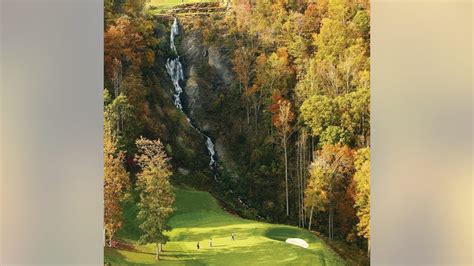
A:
[(259, 108)]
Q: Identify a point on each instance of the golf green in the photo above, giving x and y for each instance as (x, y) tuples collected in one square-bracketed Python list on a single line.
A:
[(198, 217)]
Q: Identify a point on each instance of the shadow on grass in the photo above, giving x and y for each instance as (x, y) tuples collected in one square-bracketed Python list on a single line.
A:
[(283, 233), (114, 257), (316, 245)]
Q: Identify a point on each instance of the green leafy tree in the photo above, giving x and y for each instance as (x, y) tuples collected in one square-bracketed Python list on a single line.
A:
[(318, 112), (334, 135), (118, 111), (156, 195), (354, 110)]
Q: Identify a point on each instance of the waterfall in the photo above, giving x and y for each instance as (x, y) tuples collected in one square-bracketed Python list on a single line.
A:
[(175, 71), (174, 32)]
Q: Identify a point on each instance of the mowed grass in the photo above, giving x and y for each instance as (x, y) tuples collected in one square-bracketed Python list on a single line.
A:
[(198, 217), (166, 4)]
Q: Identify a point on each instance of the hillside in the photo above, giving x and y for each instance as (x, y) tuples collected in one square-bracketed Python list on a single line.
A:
[(198, 217), (265, 105)]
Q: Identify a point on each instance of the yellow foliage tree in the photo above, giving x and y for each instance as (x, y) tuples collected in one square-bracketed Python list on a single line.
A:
[(362, 192), (116, 183), (156, 195)]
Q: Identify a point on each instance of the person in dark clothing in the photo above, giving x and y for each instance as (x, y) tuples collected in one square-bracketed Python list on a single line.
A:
[(197, 245), (233, 236), (210, 242)]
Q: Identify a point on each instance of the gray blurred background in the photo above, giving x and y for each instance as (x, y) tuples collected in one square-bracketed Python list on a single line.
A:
[(51, 132)]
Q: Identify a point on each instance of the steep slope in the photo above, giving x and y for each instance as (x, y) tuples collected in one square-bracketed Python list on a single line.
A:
[(198, 217)]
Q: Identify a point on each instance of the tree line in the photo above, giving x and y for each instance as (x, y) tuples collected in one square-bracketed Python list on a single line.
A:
[(132, 163), (302, 74)]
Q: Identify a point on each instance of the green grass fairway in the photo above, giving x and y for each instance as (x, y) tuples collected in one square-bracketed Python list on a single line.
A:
[(166, 4), (199, 217)]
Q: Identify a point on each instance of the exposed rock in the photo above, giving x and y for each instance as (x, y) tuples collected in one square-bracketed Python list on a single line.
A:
[(192, 51), (222, 152), (218, 61), (196, 56), (192, 91), (183, 171)]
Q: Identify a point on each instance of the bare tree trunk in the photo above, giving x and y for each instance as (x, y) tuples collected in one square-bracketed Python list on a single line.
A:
[(121, 122), (286, 176), (271, 128), (256, 119), (157, 251), (368, 247), (329, 221), (330, 210), (303, 173), (300, 224), (248, 112), (302, 188), (301, 168), (116, 87), (332, 221), (310, 217), (118, 120)]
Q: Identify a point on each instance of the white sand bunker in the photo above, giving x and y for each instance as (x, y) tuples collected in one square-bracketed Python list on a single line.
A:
[(298, 242)]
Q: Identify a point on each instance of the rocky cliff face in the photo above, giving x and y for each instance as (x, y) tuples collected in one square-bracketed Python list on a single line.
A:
[(207, 72)]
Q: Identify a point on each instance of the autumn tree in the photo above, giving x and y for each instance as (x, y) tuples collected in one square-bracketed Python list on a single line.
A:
[(362, 192), (242, 66), (128, 45), (272, 73), (316, 195), (282, 119), (116, 182), (313, 15), (156, 195), (332, 167), (341, 59), (133, 87), (135, 7)]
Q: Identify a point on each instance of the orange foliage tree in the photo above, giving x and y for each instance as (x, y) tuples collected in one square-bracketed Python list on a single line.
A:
[(282, 119)]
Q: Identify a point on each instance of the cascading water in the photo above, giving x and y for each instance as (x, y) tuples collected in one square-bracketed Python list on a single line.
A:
[(174, 33), (175, 71)]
